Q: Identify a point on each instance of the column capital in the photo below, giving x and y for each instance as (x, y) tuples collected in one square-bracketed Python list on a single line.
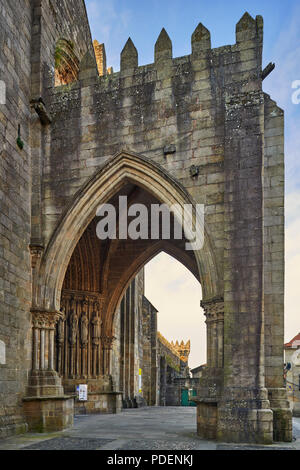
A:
[(45, 319), (213, 309), (107, 342)]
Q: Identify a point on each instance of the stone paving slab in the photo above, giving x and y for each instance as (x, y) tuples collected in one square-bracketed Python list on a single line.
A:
[(150, 444), (245, 447), (169, 428), (66, 443)]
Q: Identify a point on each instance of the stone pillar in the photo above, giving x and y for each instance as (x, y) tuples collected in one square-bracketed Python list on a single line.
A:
[(127, 340), (84, 338), (46, 408), (214, 312), (274, 269), (44, 380), (107, 342), (163, 381), (96, 334), (132, 341), (211, 382), (244, 413), (60, 343)]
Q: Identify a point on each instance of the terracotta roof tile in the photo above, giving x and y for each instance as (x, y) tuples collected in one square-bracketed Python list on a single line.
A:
[(294, 343)]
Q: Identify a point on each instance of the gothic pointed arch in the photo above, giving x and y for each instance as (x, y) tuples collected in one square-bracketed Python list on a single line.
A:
[(106, 182)]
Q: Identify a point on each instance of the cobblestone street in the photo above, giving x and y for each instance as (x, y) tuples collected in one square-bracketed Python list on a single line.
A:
[(153, 428)]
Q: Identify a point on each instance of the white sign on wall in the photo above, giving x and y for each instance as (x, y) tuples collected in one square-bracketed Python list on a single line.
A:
[(83, 392), (2, 353)]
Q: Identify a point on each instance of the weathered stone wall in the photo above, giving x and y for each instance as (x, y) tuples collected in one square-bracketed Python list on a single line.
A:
[(28, 33), (171, 368), (172, 359), (144, 109), (15, 191)]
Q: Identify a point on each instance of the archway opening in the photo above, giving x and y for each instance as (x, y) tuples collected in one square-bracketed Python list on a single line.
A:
[(176, 293), (88, 278), (101, 339)]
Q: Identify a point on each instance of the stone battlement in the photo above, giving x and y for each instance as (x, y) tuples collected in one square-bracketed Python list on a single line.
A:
[(165, 65)]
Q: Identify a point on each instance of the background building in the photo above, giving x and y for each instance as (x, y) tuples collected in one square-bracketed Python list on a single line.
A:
[(292, 373)]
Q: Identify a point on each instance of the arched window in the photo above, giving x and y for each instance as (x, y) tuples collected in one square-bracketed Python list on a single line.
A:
[(66, 63)]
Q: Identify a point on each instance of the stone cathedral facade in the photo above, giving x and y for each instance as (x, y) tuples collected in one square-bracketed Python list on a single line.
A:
[(197, 129)]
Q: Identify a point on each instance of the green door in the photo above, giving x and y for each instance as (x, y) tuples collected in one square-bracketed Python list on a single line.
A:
[(184, 397)]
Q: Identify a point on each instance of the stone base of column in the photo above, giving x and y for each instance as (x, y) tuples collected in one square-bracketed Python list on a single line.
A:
[(46, 407), (12, 425), (44, 383), (211, 384), (282, 415), (48, 414), (208, 396), (207, 418), (245, 416), (100, 403), (101, 396)]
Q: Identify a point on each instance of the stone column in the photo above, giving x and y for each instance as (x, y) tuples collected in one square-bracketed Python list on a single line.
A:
[(35, 348), (274, 269), (211, 382), (73, 331), (163, 381), (60, 342), (127, 340), (244, 413), (107, 342), (84, 337), (44, 379), (132, 341), (214, 312), (122, 349), (96, 334), (45, 405)]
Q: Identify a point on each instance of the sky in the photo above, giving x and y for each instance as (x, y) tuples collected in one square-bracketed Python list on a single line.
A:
[(169, 286)]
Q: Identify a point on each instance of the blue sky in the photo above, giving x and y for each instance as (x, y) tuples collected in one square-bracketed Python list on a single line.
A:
[(113, 21)]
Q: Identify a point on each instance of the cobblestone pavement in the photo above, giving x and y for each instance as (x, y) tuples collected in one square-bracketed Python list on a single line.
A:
[(154, 428)]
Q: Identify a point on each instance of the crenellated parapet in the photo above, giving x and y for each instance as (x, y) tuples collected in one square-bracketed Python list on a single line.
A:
[(180, 350), (248, 30), (183, 349)]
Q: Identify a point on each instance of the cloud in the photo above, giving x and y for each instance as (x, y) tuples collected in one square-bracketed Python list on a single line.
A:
[(286, 54), (176, 293), (109, 23)]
